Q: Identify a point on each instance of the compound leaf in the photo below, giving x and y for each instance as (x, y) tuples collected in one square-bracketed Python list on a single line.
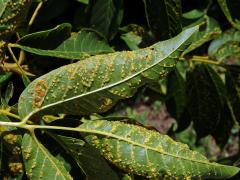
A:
[(149, 153), (97, 83), (39, 163)]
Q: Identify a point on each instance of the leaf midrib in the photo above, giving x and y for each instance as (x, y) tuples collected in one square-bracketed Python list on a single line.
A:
[(121, 81), (85, 130), (49, 157)]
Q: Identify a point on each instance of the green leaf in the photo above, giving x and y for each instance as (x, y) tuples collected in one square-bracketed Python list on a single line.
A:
[(225, 46), (47, 39), (230, 9), (193, 14), (208, 30), (12, 15), (206, 95), (83, 1), (164, 17), (39, 163), (97, 83), (149, 153), (4, 76), (9, 92), (79, 45), (87, 158), (106, 16), (133, 35)]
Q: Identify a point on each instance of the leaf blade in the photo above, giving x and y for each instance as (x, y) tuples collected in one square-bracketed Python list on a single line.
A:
[(39, 162), (87, 158), (106, 75), (75, 47), (148, 153)]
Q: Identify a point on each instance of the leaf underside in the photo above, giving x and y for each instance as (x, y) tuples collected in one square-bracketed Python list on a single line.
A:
[(149, 153), (39, 163), (97, 83)]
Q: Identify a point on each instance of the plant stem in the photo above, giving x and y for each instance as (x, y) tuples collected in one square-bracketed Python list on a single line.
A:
[(16, 61), (204, 59), (7, 113), (35, 14)]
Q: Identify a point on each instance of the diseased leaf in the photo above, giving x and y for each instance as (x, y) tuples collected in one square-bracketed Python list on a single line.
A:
[(225, 46), (149, 153), (97, 83), (39, 163), (133, 35), (11, 152), (208, 30), (206, 95), (87, 158), (78, 46), (231, 10), (164, 17), (12, 15), (106, 16)]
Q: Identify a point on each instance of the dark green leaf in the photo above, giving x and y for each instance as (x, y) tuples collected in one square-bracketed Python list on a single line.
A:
[(233, 88), (87, 158), (39, 163), (51, 9), (223, 128), (47, 39), (225, 46), (206, 95), (177, 102), (176, 97), (78, 46), (4, 76), (9, 92), (106, 16), (208, 30), (97, 83), (164, 17), (231, 10), (149, 153)]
